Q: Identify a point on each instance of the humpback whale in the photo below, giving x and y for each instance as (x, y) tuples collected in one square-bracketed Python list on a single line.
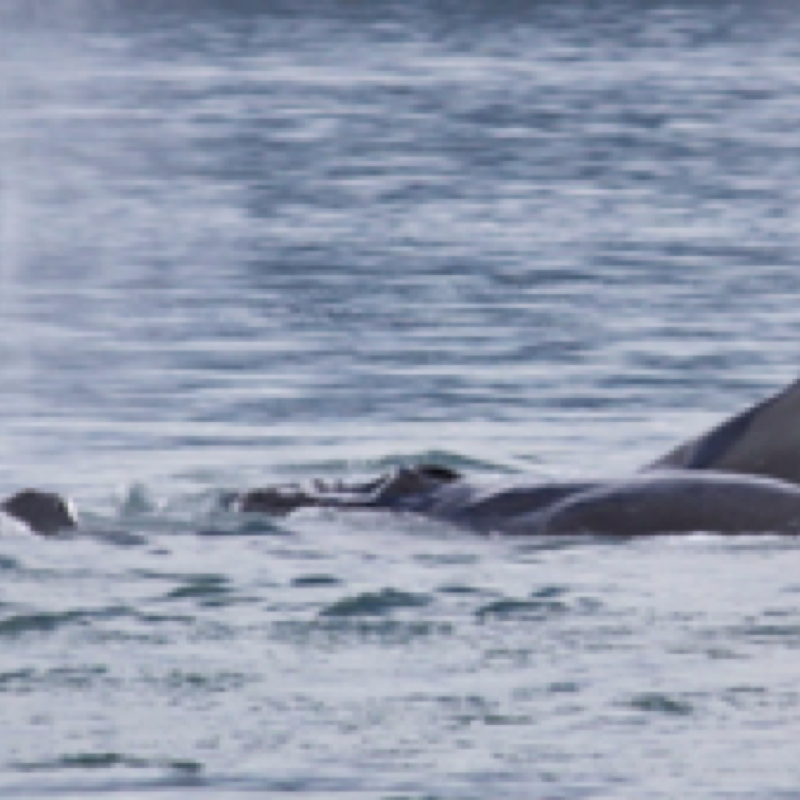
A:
[(665, 502), (741, 476), (427, 490)]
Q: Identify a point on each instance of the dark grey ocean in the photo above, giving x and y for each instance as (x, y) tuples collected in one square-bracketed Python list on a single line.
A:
[(255, 242)]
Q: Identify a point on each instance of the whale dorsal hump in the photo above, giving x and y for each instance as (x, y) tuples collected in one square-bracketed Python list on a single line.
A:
[(762, 440)]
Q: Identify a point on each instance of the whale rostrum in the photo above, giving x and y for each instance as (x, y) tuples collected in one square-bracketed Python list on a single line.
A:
[(46, 513)]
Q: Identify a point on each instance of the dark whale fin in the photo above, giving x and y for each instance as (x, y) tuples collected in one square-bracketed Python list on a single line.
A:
[(762, 440), (42, 512)]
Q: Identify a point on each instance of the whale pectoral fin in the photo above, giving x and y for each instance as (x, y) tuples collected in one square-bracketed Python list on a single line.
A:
[(762, 440)]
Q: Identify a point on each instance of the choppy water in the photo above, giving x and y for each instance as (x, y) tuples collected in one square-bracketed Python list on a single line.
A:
[(255, 242)]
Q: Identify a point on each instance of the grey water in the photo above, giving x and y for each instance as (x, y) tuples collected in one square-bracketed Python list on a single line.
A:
[(244, 243)]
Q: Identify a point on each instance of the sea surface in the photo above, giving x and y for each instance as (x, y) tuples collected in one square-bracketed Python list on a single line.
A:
[(245, 243)]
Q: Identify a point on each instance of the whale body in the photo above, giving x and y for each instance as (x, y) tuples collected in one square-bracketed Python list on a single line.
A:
[(426, 490), (675, 503), (741, 476)]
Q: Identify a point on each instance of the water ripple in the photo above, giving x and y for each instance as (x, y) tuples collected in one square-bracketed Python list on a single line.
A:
[(371, 604), (101, 761), (21, 624)]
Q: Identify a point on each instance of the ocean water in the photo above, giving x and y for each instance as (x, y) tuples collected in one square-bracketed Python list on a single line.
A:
[(244, 243)]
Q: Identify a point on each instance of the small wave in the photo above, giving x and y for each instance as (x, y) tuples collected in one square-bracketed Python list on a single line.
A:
[(658, 703), (774, 632), (200, 587), (207, 591), (375, 603), (47, 622), (203, 683), (311, 581), (8, 564), (373, 466), (447, 559), (531, 609), (467, 710), (563, 687), (51, 621), (330, 632), (226, 523), (29, 680), (463, 589), (94, 761), (542, 603)]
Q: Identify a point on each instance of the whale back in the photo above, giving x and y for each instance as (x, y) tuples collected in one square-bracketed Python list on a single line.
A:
[(762, 440), (671, 503), (489, 508)]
